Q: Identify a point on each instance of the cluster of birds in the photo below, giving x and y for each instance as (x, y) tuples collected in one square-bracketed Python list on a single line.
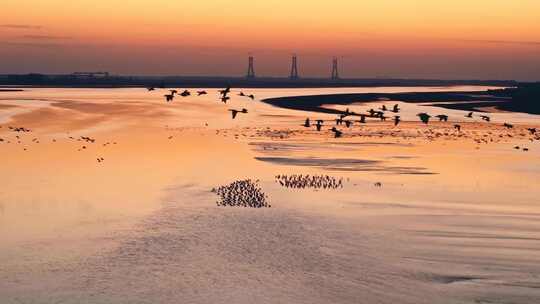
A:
[(224, 96), (243, 193), (300, 181)]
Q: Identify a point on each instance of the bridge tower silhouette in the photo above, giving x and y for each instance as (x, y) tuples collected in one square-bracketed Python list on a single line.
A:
[(294, 68), (335, 73), (251, 69)]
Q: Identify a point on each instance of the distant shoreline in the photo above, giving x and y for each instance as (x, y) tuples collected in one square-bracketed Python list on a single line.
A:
[(513, 100), (70, 81)]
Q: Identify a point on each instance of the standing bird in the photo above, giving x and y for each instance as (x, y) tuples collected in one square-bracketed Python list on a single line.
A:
[(469, 115), (397, 120), (235, 112), (251, 96), (337, 133), (442, 117), (307, 124), (424, 117), (241, 94), (384, 108), (396, 108)]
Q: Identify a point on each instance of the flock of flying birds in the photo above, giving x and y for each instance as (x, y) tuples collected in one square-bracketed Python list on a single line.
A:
[(346, 118), (380, 114), (223, 96)]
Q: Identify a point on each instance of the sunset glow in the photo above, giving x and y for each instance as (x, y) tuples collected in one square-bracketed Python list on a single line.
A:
[(386, 38)]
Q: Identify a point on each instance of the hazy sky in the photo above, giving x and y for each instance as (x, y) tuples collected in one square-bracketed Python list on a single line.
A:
[(487, 39)]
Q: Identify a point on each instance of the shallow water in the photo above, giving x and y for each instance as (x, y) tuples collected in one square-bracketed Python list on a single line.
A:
[(454, 221)]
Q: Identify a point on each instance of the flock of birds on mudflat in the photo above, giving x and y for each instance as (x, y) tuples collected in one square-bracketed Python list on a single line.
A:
[(301, 181), (242, 193)]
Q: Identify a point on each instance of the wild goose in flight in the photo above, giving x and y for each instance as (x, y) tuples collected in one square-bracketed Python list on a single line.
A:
[(235, 112)]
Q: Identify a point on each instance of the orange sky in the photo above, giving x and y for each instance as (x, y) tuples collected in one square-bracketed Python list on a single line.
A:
[(384, 38)]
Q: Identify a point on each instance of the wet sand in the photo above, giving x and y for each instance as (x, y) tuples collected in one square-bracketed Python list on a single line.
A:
[(455, 218)]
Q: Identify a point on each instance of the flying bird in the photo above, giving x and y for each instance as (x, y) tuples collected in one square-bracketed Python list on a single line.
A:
[(486, 118), (442, 117), (185, 93), (508, 126), (169, 97), (424, 117), (199, 93), (469, 115), (225, 92), (337, 133), (235, 112)]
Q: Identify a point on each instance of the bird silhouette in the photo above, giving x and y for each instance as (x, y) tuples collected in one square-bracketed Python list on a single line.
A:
[(169, 97), (225, 92), (173, 92), (485, 117), (224, 99), (337, 133), (150, 89), (199, 93), (397, 120), (348, 123), (442, 117), (307, 124), (185, 93), (319, 125), (251, 96), (362, 118), (424, 117), (457, 127), (383, 108), (241, 94), (235, 112), (396, 108), (508, 126), (470, 115)]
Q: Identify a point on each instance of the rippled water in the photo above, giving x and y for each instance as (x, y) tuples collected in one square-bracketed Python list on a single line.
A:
[(453, 221)]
